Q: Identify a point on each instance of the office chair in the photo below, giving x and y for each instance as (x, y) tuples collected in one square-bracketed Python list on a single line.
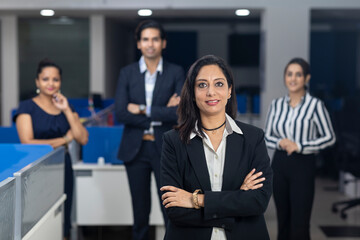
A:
[(349, 156)]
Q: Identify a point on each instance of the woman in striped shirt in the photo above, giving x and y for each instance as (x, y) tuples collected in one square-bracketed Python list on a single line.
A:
[(298, 126)]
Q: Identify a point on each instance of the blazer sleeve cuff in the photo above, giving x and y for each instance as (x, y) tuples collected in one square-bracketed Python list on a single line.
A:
[(211, 211)]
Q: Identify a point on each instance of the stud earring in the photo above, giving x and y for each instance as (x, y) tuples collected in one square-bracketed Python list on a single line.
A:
[(37, 91)]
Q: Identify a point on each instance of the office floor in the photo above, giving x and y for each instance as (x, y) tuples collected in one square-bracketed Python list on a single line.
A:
[(322, 216)]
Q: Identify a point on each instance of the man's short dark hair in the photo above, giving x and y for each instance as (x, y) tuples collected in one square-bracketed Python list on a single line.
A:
[(149, 24)]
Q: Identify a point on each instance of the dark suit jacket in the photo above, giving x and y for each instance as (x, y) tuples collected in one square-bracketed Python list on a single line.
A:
[(239, 212), (131, 89)]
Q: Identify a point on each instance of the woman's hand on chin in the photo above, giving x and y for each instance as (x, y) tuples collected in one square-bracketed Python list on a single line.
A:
[(60, 101)]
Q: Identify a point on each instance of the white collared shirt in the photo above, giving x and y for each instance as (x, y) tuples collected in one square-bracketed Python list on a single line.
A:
[(150, 80), (215, 161)]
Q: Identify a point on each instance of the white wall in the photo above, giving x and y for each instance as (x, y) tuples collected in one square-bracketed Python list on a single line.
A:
[(97, 54), (9, 67), (286, 35)]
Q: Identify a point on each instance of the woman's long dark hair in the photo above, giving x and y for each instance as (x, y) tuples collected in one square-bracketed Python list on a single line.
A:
[(188, 111)]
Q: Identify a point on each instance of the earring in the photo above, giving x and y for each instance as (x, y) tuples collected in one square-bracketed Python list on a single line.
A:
[(37, 91)]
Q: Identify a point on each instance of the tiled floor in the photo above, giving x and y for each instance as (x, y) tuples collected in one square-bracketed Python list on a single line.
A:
[(321, 216)]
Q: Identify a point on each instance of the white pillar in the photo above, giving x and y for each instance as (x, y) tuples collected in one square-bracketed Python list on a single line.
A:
[(97, 54), (9, 67), (285, 33)]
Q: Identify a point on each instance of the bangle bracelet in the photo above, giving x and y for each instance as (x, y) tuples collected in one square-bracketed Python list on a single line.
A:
[(67, 140), (196, 199)]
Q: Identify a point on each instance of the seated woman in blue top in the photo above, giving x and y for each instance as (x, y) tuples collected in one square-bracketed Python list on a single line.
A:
[(48, 119)]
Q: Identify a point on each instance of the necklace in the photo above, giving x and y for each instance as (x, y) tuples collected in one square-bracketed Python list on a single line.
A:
[(213, 129)]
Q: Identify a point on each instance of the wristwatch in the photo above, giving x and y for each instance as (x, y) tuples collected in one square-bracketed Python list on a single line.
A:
[(142, 108)]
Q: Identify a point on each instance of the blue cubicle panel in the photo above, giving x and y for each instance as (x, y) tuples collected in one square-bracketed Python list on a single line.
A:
[(103, 142), (7, 209), (9, 135), (81, 106), (256, 104), (248, 104), (15, 157), (241, 103), (108, 102)]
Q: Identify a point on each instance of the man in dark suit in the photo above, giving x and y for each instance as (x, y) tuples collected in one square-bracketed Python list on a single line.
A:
[(146, 101)]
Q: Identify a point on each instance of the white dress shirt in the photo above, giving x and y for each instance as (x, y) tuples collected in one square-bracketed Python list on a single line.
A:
[(150, 80), (215, 161)]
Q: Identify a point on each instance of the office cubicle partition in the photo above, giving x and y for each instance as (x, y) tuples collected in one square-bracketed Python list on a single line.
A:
[(103, 142), (40, 187), (9, 135), (7, 210)]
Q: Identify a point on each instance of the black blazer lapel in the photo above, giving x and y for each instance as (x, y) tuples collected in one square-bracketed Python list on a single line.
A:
[(197, 158), (233, 153)]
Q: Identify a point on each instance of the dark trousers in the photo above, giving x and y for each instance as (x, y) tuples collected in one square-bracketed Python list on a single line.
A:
[(293, 189), (69, 186), (139, 176)]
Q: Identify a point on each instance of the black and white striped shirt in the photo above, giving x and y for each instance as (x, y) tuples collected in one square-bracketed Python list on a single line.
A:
[(308, 124)]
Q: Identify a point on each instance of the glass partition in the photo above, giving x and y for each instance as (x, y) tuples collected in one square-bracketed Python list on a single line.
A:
[(63, 40)]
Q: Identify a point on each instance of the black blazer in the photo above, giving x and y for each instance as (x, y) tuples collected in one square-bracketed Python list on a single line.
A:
[(131, 89), (239, 212)]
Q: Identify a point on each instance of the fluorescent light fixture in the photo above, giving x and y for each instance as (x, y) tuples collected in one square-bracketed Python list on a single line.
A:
[(47, 12), (144, 12), (242, 12)]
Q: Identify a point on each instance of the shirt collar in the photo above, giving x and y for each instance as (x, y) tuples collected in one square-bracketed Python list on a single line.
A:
[(287, 98), (143, 66), (230, 127)]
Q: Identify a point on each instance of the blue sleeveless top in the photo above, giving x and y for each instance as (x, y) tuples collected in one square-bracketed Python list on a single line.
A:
[(45, 125)]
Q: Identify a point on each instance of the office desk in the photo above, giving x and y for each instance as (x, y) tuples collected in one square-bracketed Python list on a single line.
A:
[(103, 197)]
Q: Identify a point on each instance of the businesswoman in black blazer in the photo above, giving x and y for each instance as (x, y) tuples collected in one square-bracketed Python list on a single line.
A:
[(298, 126), (215, 171)]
